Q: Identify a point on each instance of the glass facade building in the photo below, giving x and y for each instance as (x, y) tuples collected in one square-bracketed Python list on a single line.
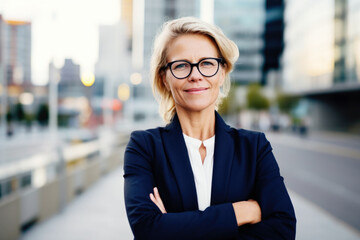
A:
[(148, 17), (321, 44), (353, 41), (15, 52), (243, 21), (159, 11)]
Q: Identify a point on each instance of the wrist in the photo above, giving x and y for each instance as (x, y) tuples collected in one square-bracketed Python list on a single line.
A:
[(247, 212), (241, 213)]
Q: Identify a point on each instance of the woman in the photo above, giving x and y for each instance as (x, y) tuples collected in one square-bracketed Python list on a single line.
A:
[(198, 178)]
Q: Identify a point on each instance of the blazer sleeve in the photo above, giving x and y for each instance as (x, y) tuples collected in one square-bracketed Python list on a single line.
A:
[(147, 221), (277, 213)]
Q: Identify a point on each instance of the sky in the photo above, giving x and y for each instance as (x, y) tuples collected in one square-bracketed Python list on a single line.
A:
[(62, 29)]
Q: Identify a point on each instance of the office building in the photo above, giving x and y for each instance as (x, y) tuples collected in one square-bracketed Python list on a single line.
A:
[(147, 19), (15, 52), (70, 84), (243, 21), (273, 42), (112, 67), (127, 19), (321, 60)]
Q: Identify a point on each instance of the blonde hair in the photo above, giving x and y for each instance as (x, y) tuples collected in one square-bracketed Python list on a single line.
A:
[(227, 49)]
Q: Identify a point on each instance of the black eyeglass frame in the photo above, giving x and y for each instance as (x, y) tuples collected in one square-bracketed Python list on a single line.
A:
[(192, 65)]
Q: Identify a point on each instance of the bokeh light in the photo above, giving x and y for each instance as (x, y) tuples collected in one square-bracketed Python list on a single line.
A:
[(123, 92), (136, 78), (88, 79), (26, 98)]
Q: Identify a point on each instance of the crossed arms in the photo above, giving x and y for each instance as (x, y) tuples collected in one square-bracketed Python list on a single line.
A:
[(266, 217)]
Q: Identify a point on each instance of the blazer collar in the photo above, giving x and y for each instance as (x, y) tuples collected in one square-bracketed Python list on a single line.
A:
[(178, 157), (223, 156)]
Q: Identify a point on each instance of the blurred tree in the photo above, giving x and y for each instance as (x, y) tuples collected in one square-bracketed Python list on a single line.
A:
[(9, 120), (29, 118), (9, 116), (256, 99), (229, 105), (63, 120), (19, 113), (42, 115), (286, 103)]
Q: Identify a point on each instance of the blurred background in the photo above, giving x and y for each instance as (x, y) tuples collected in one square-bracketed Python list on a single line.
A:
[(74, 82)]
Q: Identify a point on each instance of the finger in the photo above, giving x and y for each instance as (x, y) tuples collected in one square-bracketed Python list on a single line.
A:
[(158, 198), (153, 199), (160, 206), (156, 192)]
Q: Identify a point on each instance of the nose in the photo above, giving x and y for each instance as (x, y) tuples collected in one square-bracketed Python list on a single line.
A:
[(195, 75)]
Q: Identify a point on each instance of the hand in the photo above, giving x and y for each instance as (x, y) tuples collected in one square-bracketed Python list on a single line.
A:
[(247, 212), (157, 200)]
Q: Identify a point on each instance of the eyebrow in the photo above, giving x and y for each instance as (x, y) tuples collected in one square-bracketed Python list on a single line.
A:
[(192, 62)]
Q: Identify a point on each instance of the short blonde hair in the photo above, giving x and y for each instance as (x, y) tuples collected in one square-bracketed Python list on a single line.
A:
[(227, 49)]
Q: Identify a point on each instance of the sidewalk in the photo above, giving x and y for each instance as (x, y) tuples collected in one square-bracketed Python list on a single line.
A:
[(315, 223), (99, 213)]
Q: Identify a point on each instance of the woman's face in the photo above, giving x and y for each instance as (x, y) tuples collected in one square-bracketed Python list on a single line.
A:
[(195, 92)]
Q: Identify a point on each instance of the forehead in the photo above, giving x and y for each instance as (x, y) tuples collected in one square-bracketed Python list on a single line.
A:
[(191, 47)]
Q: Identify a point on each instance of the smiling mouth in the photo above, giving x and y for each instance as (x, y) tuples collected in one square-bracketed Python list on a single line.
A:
[(196, 90)]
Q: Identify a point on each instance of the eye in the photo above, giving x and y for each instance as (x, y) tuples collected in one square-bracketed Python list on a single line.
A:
[(207, 63), (180, 66)]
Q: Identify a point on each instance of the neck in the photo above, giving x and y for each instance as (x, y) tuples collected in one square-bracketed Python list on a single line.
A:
[(199, 125)]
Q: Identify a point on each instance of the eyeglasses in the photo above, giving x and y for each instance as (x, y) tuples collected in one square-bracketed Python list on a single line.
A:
[(207, 67)]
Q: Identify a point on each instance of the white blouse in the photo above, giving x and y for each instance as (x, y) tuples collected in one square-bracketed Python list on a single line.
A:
[(202, 172)]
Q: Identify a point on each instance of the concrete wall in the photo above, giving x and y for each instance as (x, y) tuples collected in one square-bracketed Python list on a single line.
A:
[(38, 204), (10, 218)]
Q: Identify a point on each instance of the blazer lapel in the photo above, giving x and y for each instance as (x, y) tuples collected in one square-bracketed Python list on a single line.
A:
[(178, 157), (223, 156)]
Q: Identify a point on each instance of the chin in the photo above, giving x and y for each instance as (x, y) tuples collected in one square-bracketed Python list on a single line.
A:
[(198, 107)]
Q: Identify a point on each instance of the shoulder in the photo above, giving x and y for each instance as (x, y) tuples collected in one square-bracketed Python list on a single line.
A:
[(249, 138), (148, 135), (143, 143), (145, 139), (244, 138), (246, 135)]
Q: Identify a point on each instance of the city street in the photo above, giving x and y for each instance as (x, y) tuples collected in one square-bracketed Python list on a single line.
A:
[(323, 169), (76, 79), (320, 172)]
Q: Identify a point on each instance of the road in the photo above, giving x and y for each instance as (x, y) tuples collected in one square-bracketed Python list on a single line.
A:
[(323, 169)]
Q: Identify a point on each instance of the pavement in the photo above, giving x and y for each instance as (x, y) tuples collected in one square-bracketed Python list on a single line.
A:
[(99, 213)]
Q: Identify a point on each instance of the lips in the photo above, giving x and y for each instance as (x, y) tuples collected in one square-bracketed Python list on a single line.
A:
[(196, 90)]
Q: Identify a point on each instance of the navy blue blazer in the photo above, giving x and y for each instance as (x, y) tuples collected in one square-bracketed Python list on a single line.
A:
[(244, 168)]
